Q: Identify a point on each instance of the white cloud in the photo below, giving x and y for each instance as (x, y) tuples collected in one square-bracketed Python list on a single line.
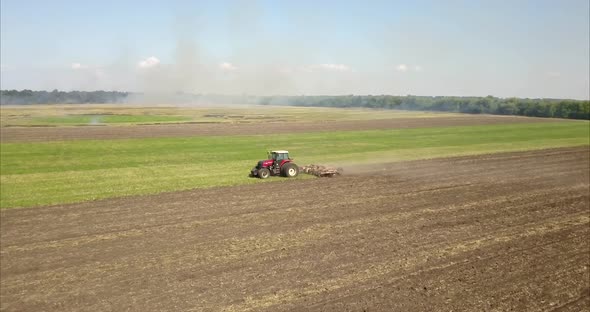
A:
[(227, 66), (418, 68), (402, 67), (149, 62), (333, 67), (78, 66), (315, 68)]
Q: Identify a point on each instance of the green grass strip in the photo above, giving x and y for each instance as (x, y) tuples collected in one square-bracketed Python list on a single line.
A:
[(34, 174), (73, 120)]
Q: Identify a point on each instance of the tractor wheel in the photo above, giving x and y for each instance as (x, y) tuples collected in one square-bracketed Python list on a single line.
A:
[(290, 170), (263, 173)]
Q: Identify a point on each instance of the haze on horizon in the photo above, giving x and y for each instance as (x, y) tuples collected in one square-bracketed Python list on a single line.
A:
[(535, 49)]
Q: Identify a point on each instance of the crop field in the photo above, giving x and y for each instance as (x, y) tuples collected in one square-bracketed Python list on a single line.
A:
[(433, 212), (42, 173), (105, 114)]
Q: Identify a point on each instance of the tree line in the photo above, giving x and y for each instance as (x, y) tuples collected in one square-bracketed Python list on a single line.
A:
[(557, 108), (15, 97)]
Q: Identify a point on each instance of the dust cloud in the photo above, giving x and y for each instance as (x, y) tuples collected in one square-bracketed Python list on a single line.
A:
[(258, 63), (195, 76)]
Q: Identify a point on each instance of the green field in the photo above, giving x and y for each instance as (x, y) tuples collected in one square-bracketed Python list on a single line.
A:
[(73, 120), (34, 174), (109, 114)]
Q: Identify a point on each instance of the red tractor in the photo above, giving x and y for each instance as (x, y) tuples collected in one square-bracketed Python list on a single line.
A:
[(278, 163)]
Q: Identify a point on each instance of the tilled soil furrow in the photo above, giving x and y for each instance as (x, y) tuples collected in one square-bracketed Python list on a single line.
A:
[(493, 276), (509, 229), (188, 231), (410, 264), (180, 260)]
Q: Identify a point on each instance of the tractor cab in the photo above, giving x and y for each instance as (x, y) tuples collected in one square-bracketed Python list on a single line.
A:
[(278, 156)]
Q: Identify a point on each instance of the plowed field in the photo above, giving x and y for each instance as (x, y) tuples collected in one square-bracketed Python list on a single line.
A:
[(487, 233), (16, 134)]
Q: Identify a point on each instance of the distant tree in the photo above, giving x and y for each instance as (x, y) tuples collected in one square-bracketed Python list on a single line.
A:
[(472, 105)]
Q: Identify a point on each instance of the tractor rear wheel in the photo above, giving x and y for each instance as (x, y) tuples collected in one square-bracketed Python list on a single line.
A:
[(290, 170), (263, 173)]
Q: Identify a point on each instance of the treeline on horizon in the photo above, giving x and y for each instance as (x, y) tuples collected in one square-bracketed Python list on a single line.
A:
[(24, 97), (556, 108)]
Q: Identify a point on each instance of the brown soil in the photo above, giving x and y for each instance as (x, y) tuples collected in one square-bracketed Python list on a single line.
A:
[(15, 134), (488, 233)]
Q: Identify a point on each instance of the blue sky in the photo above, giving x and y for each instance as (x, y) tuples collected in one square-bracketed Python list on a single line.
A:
[(500, 48)]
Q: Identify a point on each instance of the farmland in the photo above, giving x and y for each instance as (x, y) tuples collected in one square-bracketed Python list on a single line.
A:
[(105, 114), (44, 173), (163, 216)]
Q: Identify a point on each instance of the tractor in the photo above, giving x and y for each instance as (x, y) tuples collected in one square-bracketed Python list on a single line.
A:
[(278, 163)]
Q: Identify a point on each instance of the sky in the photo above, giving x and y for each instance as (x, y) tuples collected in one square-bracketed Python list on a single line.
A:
[(534, 49)]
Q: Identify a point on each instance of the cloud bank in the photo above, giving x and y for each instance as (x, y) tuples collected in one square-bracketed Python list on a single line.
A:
[(149, 62)]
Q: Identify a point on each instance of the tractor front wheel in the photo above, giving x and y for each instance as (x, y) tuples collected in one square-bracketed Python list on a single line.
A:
[(263, 173), (290, 170)]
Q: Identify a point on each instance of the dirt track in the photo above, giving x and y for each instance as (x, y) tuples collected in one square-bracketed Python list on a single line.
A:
[(488, 233), (9, 134)]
